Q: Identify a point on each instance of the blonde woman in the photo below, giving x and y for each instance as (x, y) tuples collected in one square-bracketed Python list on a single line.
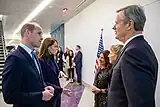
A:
[(115, 50)]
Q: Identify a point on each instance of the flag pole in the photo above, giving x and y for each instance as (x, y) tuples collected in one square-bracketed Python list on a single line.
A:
[(100, 49), (102, 30)]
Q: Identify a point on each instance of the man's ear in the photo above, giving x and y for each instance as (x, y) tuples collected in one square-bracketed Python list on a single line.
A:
[(27, 32), (130, 24)]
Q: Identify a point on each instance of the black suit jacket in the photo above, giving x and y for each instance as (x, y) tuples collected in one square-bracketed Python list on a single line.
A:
[(22, 85), (134, 76)]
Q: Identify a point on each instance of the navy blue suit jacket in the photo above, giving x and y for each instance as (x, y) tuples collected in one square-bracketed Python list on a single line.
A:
[(78, 59), (50, 73), (134, 76), (22, 85)]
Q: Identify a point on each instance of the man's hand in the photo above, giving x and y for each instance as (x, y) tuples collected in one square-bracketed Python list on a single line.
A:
[(50, 88), (46, 95)]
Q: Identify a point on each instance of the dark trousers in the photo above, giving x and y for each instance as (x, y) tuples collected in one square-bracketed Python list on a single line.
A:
[(79, 74), (70, 73)]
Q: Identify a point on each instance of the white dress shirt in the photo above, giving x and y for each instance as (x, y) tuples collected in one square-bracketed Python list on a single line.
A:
[(28, 50), (131, 39)]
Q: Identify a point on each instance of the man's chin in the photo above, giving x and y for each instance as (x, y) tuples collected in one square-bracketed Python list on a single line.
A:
[(37, 46), (117, 37)]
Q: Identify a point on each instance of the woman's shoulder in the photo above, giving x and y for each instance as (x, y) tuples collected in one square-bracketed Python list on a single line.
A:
[(42, 61)]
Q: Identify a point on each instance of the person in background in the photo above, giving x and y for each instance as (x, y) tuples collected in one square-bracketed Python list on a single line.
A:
[(22, 80), (100, 88), (78, 64), (65, 64), (59, 58), (134, 74), (50, 70), (66, 52), (10, 49), (69, 65), (115, 51)]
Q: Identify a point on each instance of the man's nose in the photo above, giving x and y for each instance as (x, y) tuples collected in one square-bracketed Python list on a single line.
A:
[(114, 27)]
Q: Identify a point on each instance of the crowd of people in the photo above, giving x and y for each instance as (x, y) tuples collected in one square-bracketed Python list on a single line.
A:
[(69, 62), (126, 76)]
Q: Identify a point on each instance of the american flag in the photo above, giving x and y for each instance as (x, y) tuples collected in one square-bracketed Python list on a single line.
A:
[(100, 49)]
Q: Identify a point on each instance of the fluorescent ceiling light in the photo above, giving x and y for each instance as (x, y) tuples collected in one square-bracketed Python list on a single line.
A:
[(33, 14)]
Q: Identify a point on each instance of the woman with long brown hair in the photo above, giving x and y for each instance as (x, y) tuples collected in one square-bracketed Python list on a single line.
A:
[(100, 88), (50, 70)]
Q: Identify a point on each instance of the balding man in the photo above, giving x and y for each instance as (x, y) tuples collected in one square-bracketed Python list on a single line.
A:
[(22, 81)]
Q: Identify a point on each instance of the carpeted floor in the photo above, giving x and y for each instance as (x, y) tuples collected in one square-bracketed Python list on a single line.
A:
[(76, 94)]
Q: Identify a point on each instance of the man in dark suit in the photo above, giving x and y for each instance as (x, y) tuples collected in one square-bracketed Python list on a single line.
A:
[(22, 81), (134, 74), (78, 64)]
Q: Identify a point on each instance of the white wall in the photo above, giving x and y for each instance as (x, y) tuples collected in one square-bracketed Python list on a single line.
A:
[(84, 29), (152, 32)]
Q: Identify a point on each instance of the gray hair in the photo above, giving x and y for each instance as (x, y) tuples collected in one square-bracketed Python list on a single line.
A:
[(136, 13)]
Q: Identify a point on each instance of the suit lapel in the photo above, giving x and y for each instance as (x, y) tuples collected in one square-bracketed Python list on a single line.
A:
[(53, 67), (30, 60), (41, 74)]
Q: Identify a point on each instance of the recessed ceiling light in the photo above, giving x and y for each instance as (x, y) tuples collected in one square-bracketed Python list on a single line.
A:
[(64, 11), (50, 6)]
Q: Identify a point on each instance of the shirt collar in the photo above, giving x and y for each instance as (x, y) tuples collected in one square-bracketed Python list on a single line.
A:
[(27, 49), (131, 39)]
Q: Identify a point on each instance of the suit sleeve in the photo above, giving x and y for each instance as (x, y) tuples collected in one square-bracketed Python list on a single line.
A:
[(46, 76), (58, 90), (11, 84), (137, 79)]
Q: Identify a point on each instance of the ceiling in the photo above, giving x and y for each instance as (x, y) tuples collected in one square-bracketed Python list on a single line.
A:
[(17, 10)]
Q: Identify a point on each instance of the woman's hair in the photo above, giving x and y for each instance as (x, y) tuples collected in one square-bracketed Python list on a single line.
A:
[(116, 49), (72, 53), (43, 52), (107, 63)]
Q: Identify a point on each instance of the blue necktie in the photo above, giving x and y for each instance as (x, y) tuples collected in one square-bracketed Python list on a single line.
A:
[(35, 61), (38, 68)]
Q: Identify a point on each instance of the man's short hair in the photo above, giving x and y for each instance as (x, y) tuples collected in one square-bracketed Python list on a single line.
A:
[(29, 26), (136, 13), (78, 46)]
